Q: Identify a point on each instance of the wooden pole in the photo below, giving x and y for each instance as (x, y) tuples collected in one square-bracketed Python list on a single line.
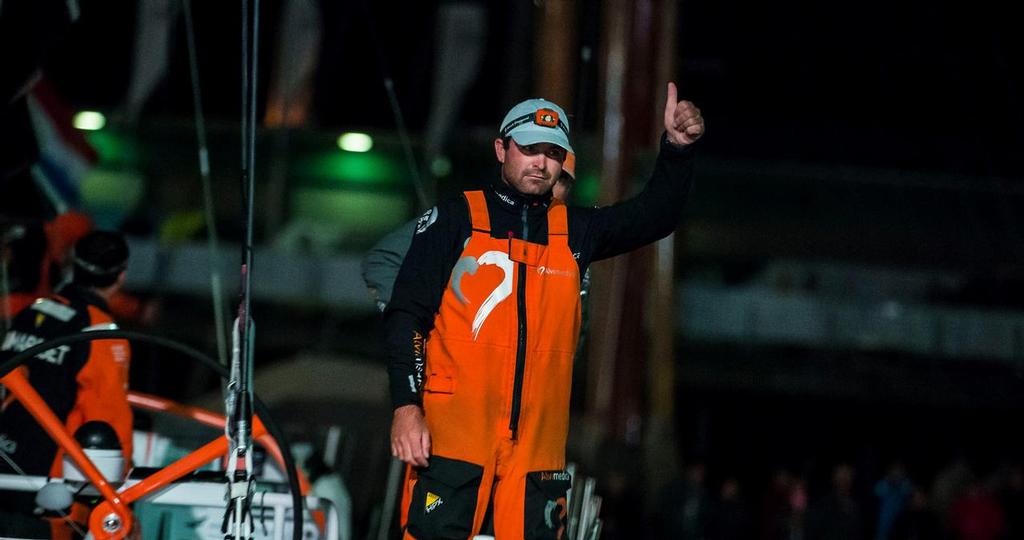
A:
[(607, 291), (555, 52), (619, 339), (661, 447)]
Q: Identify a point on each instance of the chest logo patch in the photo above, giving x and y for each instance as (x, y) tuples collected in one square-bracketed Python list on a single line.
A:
[(426, 220), (470, 265)]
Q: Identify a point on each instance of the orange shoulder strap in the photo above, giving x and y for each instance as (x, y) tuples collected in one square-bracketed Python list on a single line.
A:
[(478, 211), (558, 223)]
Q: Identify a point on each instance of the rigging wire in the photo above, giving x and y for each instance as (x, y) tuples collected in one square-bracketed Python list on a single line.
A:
[(423, 193), (249, 188), (204, 174), (237, 522)]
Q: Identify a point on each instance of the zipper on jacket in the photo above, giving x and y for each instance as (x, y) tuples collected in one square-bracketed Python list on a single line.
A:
[(517, 385)]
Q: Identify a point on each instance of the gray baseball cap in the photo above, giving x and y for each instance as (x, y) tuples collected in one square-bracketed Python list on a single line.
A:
[(537, 121)]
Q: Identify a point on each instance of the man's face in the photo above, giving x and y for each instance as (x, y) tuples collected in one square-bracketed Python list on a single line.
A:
[(531, 169)]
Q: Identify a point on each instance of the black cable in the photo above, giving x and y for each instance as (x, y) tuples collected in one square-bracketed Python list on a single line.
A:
[(245, 82), (243, 407), (262, 411), (253, 86)]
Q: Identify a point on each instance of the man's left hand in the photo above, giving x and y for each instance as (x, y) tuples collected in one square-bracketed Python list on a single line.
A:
[(683, 122)]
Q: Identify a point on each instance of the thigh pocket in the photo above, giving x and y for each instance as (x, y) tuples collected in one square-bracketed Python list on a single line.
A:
[(440, 378), (545, 507), (444, 499)]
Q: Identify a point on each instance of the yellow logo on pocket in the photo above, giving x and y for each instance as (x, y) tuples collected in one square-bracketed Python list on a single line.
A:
[(433, 501)]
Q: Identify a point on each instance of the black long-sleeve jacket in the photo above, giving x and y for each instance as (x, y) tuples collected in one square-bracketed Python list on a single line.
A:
[(594, 234)]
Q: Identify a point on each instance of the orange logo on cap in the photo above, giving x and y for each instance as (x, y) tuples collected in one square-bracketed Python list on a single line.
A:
[(546, 118)]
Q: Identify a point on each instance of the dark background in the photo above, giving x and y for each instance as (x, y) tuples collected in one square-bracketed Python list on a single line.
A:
[(911, 110)]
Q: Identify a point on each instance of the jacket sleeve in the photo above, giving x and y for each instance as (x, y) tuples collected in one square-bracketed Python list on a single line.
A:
[(649, 216), (103, 391), (416, 297), (382, 262)]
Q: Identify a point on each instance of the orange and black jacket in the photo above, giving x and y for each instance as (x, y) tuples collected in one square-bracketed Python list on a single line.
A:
[(594, 234), (80, 382)]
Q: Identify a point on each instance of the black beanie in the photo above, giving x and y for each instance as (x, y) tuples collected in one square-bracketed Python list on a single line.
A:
[(99, 257)]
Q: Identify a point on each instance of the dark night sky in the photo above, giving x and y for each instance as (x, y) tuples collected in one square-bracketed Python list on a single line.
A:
[(913, 84)]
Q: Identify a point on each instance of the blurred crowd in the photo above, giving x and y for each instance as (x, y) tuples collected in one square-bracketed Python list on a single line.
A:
[(958, 502)]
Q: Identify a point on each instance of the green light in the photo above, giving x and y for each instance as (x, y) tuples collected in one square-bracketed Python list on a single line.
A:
[(586, 189), (89, 121), (355, 142), (113, 148), (337, 167)]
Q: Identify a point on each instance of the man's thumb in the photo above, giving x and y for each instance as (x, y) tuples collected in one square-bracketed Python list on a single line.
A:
[(670, 103)]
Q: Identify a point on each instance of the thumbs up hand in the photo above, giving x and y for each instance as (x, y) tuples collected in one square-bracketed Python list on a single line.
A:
[(683, 122)]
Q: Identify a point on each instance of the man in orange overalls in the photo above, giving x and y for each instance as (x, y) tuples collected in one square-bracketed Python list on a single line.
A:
[(80, 383), (483, 323)]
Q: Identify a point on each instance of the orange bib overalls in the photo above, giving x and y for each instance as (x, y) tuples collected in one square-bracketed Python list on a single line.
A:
[(496, 393)]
